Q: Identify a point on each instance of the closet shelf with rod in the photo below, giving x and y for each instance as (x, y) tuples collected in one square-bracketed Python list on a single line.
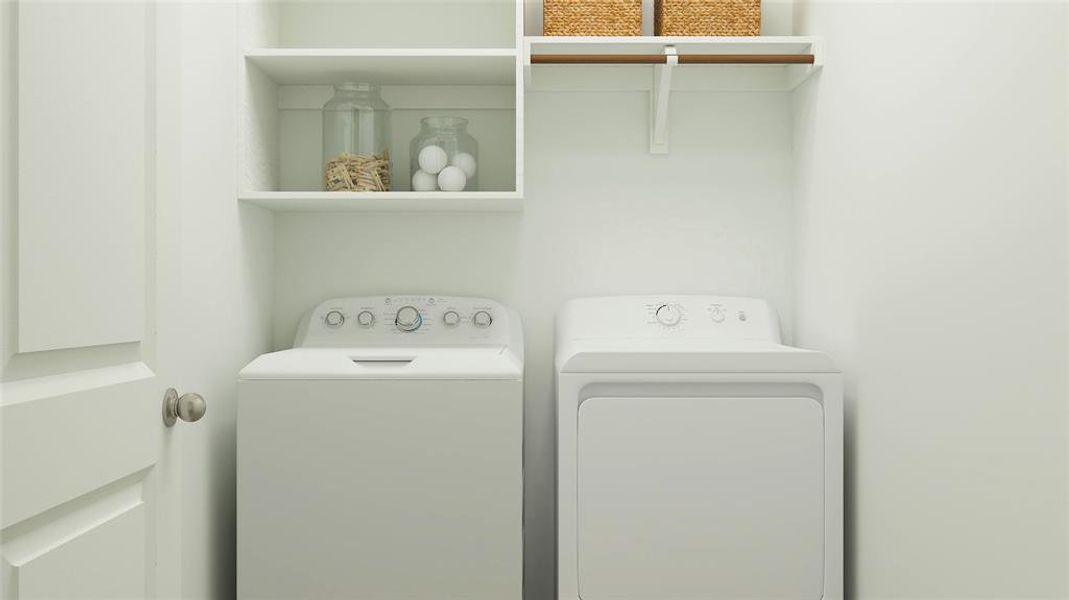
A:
[(662, 65)]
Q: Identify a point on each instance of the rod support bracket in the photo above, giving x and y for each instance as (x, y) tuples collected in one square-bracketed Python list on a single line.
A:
[(660, 94)]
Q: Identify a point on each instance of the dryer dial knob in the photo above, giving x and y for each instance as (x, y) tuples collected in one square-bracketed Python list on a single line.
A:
[(482, 319), (408, 318), (716, 313), (334, 318), (668, 315)]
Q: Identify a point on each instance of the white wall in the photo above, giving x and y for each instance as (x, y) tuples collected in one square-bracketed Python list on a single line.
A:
[(603, 217), (225, 274), (931, 198)]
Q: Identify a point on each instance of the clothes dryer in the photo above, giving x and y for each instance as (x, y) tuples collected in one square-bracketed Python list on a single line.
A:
[(698, 456)]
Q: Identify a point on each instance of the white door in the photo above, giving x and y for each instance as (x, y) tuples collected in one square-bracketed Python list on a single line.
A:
[(88, 465)]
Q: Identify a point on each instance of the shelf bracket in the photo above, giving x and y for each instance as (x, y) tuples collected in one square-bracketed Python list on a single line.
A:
[(797, 74), (659, 96)]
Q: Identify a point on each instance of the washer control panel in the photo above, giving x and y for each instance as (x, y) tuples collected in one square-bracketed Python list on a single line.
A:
[(404, 319)]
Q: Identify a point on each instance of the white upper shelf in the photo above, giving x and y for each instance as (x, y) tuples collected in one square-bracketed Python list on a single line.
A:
[(386, 201), (387, 66)]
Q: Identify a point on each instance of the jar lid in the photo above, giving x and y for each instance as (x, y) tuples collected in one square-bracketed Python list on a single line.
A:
[(444, 122), (352, 86)]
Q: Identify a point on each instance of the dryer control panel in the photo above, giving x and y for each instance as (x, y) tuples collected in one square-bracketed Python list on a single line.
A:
[(672, 317), (406, 320)]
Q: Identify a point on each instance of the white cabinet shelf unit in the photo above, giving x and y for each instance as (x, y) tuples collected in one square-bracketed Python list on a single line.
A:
[(294, 52), (467, 58)]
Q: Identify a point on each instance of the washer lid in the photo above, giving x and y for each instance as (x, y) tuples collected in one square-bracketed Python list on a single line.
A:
[(468, 362), (413, 336)]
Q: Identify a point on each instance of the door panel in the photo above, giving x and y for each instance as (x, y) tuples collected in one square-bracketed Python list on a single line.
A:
[(83, 545), (84, 103), (683, 498), (83, 454), (63, 446)]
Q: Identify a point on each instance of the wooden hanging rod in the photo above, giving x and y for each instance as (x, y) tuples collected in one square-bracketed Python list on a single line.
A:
[(660, 59)]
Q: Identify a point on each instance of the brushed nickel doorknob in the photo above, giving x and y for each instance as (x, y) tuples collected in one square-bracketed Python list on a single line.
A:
[(188, 407)]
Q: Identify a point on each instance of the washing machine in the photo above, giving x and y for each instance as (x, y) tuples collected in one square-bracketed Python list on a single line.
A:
[(698, 456), (381, 457)]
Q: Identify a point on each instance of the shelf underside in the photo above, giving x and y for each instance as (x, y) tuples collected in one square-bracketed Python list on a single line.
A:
[(304, 66), (387, 201), (772, 45), (683, 59)]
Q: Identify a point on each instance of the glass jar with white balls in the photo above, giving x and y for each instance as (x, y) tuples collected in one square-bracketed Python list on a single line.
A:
[(444, 156)]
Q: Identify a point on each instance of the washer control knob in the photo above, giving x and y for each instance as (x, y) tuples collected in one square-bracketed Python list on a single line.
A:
[(334, 318), (366, 318), (408, 318), (451, 318), (482, 319), (668, 315)]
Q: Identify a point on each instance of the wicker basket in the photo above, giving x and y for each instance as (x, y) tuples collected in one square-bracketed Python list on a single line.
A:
[(707, 17), (592, 17)]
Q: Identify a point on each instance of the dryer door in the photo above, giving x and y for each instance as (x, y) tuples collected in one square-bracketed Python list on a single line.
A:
[(684, 498)]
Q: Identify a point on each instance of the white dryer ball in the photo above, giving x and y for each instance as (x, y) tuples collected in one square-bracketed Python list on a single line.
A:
[(433, 159), (466, 162), (452, 179), (423, 181)]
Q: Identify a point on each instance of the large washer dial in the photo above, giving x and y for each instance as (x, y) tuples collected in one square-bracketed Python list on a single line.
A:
[(408, 318), (334, 318), (669, 315)]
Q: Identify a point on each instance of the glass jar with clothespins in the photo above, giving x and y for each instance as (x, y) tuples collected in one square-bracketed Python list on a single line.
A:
[(356, 135)]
